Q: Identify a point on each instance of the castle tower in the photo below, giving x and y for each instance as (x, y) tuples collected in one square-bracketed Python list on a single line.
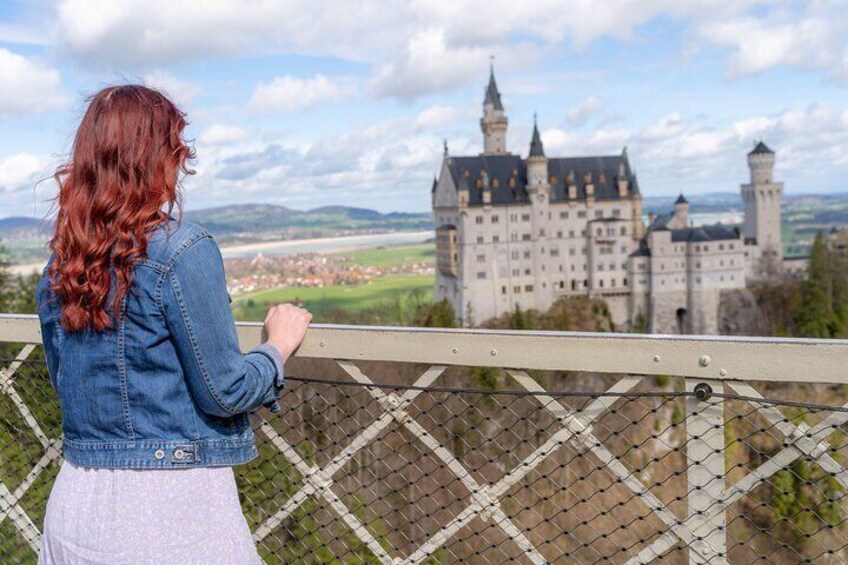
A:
[(494, 122), (681, 211), (539, 193), (762, 198)]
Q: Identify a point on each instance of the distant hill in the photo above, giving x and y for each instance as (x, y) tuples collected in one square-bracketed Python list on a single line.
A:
[(269, 221)]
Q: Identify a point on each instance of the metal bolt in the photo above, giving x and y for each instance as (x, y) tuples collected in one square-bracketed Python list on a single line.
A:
[(722, 372), (703, 391), (494, 352), (705, 360), (456, 350), (656, 358), (321, 344)]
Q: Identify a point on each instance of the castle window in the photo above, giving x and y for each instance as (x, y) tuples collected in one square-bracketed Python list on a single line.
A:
[(721, 247), (495, 239), (599, 213), (481, 258), (616, 213), (612, 282), (570, 233), (514, 254), (495, 219), (516, 272), (516, 290), (706, 248), (527, 271), (581, 213), (563, 215), (525, 217), (513, 217), (731, 246), (601, 283), (585, 283), (623, 230), (495, 183), (599, 231), (624, 283), (572, 251), (527, 254), (554, 252), (573, 285), (478, 220), (479, 239), (624, 249), (697, 248), (559, 235), (513, 237), (526, 237), (528, 288), (503, 290), (481, 275)]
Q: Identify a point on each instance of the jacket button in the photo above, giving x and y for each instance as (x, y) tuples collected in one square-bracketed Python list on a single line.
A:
[(179, 453), (159, 453)]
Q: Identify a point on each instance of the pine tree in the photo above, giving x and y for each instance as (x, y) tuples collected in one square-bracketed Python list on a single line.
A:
[(815, 315)]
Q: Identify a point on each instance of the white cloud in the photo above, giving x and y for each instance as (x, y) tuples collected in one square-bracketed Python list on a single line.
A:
[(181, 92), (19, 170), (27, 85), (435, 116), (581, 113), (294, 93), (667, 126), (223, 134)]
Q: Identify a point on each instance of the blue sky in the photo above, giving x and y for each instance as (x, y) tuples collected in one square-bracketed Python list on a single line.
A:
[(307, 103)]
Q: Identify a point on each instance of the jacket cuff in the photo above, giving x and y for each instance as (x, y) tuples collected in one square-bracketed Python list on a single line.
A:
[(279, 378)]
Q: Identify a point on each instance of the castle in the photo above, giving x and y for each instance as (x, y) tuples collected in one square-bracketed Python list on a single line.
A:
[(515, 231)]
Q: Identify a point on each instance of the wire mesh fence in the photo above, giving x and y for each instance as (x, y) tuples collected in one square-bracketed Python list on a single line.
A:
[(507, 471)]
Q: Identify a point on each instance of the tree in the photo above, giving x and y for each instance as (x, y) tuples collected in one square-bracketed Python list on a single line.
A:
[(823, 297), (441, 315)]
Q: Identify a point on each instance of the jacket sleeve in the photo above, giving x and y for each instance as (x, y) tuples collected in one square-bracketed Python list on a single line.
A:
[(223, 380), (51, 332)]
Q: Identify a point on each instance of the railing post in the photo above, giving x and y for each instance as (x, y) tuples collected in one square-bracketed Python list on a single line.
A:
[(706, 472)]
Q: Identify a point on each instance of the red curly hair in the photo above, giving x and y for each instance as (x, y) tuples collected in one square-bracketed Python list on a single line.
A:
[(124, 168)]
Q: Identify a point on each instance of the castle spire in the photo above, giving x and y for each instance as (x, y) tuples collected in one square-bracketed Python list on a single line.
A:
[(493, 96), (536, 148)]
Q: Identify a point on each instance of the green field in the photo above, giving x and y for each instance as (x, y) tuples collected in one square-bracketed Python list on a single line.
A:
[(382, 292), (393, 255)]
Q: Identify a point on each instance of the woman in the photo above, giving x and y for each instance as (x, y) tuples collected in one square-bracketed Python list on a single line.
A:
[(141, 348)]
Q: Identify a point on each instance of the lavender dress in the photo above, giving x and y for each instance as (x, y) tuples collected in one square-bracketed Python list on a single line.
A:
[(140, 516)]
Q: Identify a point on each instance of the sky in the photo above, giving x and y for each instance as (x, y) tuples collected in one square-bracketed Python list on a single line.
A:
[(308, 103)]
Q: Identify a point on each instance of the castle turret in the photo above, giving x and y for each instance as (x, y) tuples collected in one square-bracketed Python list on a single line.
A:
[(681, 210), (762, 198), (537, 163), (494, 122)]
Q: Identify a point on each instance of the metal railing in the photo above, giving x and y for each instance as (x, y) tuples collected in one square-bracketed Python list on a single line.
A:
[(402, 445)]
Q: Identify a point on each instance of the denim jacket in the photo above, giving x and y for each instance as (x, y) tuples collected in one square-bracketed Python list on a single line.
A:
[(166, 386)]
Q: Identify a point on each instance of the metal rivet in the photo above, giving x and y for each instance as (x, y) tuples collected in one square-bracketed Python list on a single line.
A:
[(455, 350), (321, 344), (494, 352), (179, 453), (722, 372), (704, 360), (159, 453), (656, 358)]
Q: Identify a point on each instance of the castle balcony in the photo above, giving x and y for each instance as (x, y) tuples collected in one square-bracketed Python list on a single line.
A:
[(406, 445)]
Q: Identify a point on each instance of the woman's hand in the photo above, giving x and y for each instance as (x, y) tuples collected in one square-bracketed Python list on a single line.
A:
[(286, 325)]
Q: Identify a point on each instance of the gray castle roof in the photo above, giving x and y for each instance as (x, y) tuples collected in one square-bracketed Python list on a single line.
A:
[(493, 97), (715, 232), (681, 199), (761, 148), (502, 168)]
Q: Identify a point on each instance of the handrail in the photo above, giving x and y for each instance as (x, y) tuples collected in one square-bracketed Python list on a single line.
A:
[(705, 357)]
